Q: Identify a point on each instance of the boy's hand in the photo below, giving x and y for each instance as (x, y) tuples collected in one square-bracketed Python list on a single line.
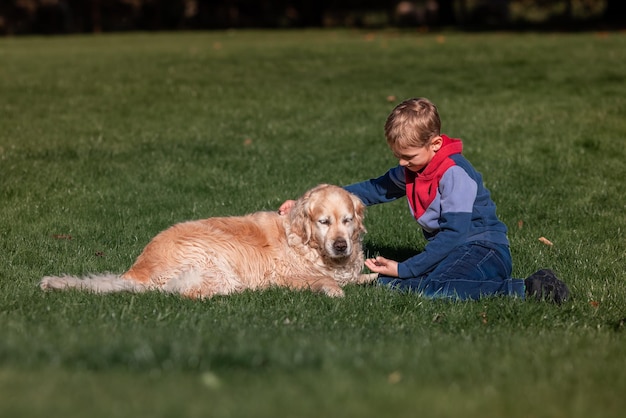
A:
[(286, 207), (382, 265)]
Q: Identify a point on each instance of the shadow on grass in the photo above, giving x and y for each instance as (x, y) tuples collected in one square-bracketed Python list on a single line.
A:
[(391, 252)]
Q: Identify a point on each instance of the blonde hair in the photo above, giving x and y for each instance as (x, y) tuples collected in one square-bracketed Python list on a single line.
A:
[(413, 123)]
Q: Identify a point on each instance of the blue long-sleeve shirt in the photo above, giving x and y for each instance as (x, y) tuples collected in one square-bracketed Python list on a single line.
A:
[(460, 211)]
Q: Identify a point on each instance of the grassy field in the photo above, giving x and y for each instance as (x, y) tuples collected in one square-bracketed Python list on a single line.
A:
[(106, 140)]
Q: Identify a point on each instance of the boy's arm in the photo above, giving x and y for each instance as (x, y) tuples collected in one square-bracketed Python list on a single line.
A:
[(457, 195), (385, 188)]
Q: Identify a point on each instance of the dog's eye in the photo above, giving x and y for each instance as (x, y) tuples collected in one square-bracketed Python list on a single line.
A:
[(347, 220), (324, 221)]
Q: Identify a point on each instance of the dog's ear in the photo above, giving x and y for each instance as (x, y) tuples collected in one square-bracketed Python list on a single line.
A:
[(300, 218), (359, 211)]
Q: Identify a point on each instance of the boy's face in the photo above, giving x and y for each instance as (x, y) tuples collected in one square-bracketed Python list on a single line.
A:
[(416, 158)]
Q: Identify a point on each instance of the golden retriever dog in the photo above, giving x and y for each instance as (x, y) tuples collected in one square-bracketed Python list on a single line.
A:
[(316, 246)]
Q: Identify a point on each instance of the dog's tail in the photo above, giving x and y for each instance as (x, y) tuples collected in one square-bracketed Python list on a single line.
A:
[(97, 283)]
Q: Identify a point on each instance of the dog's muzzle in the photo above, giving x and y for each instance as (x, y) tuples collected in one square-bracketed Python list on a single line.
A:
[(340, 246)]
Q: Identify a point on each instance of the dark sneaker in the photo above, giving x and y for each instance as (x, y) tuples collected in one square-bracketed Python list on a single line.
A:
[(544, 285)]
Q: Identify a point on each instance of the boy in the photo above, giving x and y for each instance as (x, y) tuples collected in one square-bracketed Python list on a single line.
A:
[(467, 254)]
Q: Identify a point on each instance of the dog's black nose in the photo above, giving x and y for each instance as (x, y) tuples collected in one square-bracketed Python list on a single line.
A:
[(340, 245)]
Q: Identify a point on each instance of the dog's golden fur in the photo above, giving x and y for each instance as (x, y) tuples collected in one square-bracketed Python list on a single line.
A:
[(316, 246)]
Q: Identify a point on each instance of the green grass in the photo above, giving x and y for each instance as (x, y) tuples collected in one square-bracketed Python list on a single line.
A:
[(109, 139)]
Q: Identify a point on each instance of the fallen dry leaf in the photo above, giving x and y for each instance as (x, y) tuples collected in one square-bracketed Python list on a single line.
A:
[(520, 224), (394, 377), (211, 380), (370, 37), (62, 236), (545, 241)]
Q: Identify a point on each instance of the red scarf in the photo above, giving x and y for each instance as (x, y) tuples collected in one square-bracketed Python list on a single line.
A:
[(421, 188)]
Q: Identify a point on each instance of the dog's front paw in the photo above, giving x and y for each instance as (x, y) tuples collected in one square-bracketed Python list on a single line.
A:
[(333, 291), (367, 278)]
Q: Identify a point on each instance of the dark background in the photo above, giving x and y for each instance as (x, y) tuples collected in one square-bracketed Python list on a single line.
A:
[(18, 17)]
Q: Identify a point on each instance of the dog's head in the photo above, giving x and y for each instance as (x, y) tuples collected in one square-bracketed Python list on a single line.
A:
[(329, 219)]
